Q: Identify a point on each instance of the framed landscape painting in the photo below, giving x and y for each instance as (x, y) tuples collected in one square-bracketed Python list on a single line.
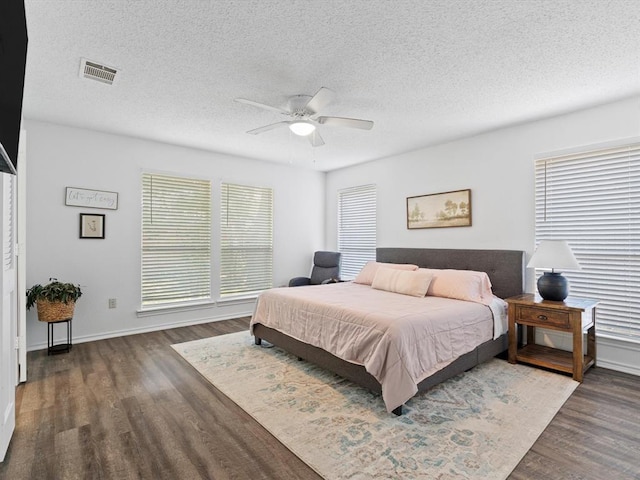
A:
[(437, 210)]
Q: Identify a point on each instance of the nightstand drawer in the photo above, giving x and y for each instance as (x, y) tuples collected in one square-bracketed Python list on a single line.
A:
[(541, 317)]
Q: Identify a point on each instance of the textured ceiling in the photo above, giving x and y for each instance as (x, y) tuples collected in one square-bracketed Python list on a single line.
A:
[(424, 71)]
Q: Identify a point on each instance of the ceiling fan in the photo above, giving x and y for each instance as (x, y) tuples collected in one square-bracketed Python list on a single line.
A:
[(303, 112)]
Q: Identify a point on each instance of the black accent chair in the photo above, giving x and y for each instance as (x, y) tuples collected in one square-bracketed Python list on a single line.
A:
[(326, 269)]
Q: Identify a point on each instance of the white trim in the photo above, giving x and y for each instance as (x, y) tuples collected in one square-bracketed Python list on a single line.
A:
[(619, 367), (621, 142), (245, 183), (21, 250), (152, 328), (618, 355), (175, 173)]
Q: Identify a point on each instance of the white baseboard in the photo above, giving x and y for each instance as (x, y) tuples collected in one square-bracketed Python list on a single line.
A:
[(618, 355), (613, 354), (150, 328), (619, 367)]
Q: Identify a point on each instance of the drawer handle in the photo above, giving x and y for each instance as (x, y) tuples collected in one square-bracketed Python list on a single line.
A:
[(542, 317)]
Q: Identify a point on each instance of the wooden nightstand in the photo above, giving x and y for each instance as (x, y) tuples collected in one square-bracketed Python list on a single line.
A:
[(567, 316)]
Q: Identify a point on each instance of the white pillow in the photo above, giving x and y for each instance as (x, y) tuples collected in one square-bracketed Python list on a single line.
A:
[(460, 284), (414, 283), (368, 272)]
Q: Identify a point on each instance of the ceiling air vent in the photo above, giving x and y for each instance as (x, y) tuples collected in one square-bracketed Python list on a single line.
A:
[(95, 71)]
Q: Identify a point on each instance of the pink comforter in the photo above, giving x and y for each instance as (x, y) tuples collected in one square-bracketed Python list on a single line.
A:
[(399, 339)]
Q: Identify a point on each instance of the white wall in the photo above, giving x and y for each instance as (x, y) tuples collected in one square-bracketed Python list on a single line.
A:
[(498, 167), (62, 156)]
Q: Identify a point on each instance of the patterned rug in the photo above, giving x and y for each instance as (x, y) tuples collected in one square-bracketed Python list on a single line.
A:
[(477, 425)]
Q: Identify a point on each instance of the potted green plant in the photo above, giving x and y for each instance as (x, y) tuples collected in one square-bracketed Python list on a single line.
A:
[(55, 301)]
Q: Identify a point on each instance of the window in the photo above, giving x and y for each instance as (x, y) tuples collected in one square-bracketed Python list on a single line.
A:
[(176, 239), (356, 228), (592, 200), (246, 239)]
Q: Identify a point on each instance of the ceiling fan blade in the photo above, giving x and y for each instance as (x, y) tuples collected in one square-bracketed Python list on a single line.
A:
[(321, 99), (262, 105), (315, 139), (266, 128), (346, 122)]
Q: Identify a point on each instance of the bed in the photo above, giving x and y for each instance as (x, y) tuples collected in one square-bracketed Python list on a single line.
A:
[(505, 269)]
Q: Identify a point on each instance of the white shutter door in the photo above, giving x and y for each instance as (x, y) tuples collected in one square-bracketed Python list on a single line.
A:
[(8, 314)]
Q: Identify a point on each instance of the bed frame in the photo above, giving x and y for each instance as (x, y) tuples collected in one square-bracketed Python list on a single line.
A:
[(506, 272)]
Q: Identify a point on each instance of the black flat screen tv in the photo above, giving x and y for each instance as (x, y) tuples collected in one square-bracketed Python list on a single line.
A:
[(13, 58)]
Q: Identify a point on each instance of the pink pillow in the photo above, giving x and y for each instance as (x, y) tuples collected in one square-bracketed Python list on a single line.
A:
[(460, 284), (414, 283), (368, 272)]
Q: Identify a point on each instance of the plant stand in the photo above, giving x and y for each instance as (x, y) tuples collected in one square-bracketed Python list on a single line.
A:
[(61, 347)]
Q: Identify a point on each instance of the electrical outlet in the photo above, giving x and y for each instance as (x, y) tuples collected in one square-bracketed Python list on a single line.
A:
[(112, 303)]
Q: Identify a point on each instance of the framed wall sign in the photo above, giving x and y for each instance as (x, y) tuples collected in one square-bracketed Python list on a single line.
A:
[(91, 225), (437, 210), (81, 197)]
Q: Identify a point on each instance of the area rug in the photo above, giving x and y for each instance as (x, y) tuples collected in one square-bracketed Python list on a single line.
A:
[(477, 425)]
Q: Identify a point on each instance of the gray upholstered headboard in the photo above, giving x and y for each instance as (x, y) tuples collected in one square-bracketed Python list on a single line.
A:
[(504, 267)]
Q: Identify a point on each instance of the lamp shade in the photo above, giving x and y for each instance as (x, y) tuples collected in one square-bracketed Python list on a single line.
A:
[(302, 128), (554, 254)]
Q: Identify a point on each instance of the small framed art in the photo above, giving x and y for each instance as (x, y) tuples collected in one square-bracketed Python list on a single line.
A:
[(437, 210), (91, 225)]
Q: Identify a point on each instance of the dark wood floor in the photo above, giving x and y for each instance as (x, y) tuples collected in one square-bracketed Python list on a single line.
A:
[(130, 407)]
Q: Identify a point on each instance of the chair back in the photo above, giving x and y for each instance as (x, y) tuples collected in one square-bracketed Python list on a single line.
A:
[(326, 265)]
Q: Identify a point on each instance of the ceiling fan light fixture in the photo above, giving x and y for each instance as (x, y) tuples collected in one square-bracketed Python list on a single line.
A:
[(302, 112), (302, 128)]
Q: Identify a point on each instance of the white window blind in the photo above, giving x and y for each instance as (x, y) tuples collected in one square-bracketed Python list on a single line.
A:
[(246, 239), (356, 228), (176, 239), (592, 200)]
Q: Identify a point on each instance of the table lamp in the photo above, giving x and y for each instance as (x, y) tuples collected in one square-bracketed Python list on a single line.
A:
[(556, 255)]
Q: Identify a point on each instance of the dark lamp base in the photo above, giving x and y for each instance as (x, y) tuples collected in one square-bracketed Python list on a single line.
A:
[(553, 286)]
